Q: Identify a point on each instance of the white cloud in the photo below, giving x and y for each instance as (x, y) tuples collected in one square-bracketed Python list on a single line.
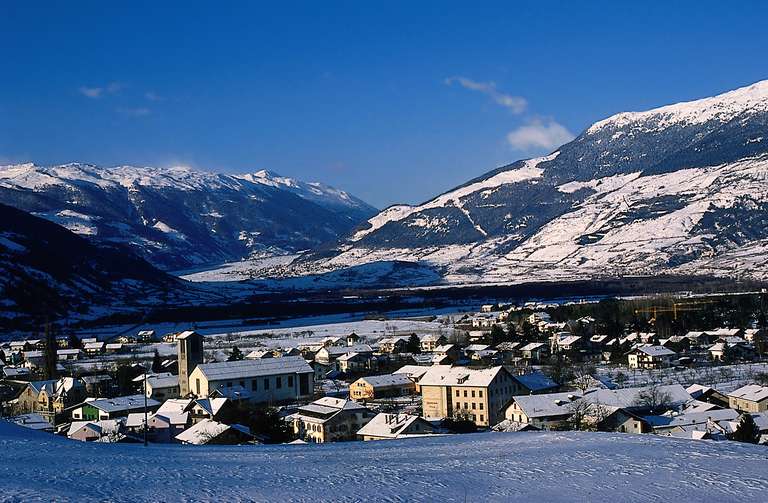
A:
[(538, 134), (151, 96), (97, 92), (515, 104), (91, 92)]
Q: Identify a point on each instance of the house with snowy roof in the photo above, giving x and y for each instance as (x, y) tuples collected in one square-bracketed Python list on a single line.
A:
[(34, 359), (162, 387), (218, 409), (464, 392), (753, 335), (162, 426), (692, 421), (650, 357), (97, 409), (106, 430), (56, 396), (547, 411), (749, 398), (328, 355), (534, 352), (381, 386), (146, 336), (450, 351), (386, 426), (272, 380), (429, 342), (94, 348), (393, 344), (68, 354), (728, 349), (258, 354), (330, 419), (707, 394), (535, 382), (352, 363), (414, 373), (210, 432)]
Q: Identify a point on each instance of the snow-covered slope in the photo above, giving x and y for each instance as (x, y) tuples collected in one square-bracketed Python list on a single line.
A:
[(47, 272), (180, 217), (525, 467), (677, 189)]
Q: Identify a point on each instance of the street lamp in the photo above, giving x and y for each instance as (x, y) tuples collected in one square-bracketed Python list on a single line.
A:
[(145, 408)]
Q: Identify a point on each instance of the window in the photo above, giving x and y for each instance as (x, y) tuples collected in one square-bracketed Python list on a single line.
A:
[(229, 384), (466, 405), (278, 382), (254, 385), (197, 385), (473, 393), (481, 405), (290, 381), (242, 384), (465, 393), (480, 393), (481, 418), (266, 383), (457, 393), (474, 405)]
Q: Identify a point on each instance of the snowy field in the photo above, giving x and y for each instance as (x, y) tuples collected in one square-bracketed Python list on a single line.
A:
[(547, 467), (724, 378)]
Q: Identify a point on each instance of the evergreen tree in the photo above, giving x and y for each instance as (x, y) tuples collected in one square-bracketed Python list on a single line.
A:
[(511, 331), (235, 355), (414, 344), (497, 335), (73, 341), (747, 431), (157, 363), (264, 422)]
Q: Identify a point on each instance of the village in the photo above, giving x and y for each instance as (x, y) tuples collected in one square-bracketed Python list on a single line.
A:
[(503, 368)]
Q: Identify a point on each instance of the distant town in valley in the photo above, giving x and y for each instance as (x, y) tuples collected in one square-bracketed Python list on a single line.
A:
[(690, 367)]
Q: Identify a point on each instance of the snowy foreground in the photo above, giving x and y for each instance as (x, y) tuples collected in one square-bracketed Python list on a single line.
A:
[(550, 467)]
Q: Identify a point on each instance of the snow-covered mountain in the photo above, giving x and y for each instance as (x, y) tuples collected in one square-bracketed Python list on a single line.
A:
[(677, 189), (180, 217)]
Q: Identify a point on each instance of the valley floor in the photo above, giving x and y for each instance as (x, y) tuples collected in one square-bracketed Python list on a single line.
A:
[(551, 467)]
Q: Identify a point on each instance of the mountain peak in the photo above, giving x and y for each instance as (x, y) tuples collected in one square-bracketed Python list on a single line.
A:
[(723, 107)]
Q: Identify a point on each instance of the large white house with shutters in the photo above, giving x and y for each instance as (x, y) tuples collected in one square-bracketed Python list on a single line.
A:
[(265, 380)]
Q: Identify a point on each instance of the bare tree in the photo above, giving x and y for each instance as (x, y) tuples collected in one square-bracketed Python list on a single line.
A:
[(654, 398), (583, 377)]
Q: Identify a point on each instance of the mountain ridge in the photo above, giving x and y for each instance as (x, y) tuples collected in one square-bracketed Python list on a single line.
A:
[(631, 178), (181, 217)]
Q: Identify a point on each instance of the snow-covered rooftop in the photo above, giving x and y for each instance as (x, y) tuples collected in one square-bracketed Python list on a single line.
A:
[(254, 368), (752, 392), (446, 375)]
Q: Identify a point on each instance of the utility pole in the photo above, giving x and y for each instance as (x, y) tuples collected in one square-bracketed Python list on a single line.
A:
[(146, 423)]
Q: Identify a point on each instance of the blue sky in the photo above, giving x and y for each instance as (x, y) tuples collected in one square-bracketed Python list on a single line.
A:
[(393, 101)]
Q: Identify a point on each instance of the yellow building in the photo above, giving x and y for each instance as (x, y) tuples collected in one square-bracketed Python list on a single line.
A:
[(330, 420), (467, 393), (750, 398), (382, 386)]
